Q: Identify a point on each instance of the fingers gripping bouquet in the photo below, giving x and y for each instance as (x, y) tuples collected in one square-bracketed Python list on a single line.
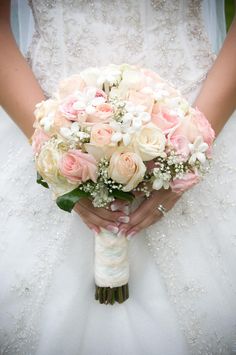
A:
[(109, 132)]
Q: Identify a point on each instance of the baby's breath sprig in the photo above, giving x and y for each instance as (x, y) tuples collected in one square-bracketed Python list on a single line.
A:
[(145, 188), (104, 176), (118, 108)]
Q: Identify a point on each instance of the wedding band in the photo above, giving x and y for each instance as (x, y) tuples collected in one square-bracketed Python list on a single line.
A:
[(161, 209)]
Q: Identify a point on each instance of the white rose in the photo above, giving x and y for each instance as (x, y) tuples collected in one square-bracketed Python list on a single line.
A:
[(47, 164), (126, 168), (149, 142), (90, 76), (132, 79)]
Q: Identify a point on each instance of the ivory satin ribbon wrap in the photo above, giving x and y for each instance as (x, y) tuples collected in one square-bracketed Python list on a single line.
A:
[(111, 260)]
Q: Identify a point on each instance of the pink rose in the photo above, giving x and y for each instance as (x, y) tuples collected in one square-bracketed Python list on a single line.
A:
[(181, 185), (60, 121), (38, 139), (181, 146), (69, 110), (156, 108), (204, 127), (165, 120), (102, 113), (101, 134), (139, 98), (101, 93), (196, 125), (77, 166), (152, 75)]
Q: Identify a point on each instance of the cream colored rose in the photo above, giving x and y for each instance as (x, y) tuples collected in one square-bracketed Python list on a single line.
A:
[(126, 168), (149, 142), (70, 85), (101, 134), (90, 76), (43, 108), (45, 113), (100, 152), (132, 79), (47, 164)]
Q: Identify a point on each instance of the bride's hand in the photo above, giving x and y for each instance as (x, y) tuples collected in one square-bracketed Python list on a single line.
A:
[(147, 213), (101, 217)]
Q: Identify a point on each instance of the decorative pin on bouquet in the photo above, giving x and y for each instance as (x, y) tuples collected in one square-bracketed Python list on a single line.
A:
[(108, 132)]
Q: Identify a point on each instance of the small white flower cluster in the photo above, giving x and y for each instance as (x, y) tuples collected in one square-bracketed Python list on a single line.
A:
[(101, 192), (167, 169), (132, 121), (75, 135)]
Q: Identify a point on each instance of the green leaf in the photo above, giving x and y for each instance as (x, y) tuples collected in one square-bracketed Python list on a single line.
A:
[(121, 195), (67, 201), (41, 181)]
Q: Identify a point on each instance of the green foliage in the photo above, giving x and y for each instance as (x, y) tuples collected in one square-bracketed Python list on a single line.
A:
[(121, 195), (41, 181), (67, 201), (229, 12)]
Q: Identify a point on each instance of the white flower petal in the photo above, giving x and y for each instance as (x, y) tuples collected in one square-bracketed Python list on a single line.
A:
[(201, 157), (157, 184), (192, 159), (145, 117), (116, 137), (137, 124), (65, 132), (203, 147), (126, 139)]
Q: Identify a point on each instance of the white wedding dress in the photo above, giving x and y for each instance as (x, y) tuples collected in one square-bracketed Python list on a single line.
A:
[(183, 269)]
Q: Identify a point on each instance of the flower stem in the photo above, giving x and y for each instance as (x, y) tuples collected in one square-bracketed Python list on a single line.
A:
[(110, 295)]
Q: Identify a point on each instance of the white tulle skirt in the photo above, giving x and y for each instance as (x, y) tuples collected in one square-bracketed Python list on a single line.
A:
[(182, 277)]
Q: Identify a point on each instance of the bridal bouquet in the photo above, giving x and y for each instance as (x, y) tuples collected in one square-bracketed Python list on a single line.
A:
[(108, 132)]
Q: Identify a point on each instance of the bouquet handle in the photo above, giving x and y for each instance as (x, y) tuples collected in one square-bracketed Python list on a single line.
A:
[(111, 267)]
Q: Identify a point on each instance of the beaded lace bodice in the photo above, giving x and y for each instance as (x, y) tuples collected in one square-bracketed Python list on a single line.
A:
[(167, 36)]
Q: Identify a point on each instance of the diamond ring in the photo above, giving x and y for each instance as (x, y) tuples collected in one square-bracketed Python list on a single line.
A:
[(161, 209)]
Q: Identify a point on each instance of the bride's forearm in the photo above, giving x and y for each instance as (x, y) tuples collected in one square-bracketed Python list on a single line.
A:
[(19, 89), (217, 98)]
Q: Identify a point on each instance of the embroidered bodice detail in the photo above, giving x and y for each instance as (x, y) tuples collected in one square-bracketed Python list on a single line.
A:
[(72, 35)]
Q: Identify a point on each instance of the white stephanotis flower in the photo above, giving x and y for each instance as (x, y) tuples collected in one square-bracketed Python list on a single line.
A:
[(198, 149), (122, 133), (98, 76), (73, 133), (132, 122), (162, 180), (136, 116), (87, 100), (178, 105)]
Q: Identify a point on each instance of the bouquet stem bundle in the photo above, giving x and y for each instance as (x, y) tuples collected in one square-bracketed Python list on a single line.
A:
[(110, 295)]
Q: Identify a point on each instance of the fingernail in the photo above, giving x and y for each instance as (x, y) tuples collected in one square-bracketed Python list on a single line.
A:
[(112, 229), (121, 234), (94, 230), (125, 209), (123, 230), (114, 207), (123, 219), (131, 234)]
